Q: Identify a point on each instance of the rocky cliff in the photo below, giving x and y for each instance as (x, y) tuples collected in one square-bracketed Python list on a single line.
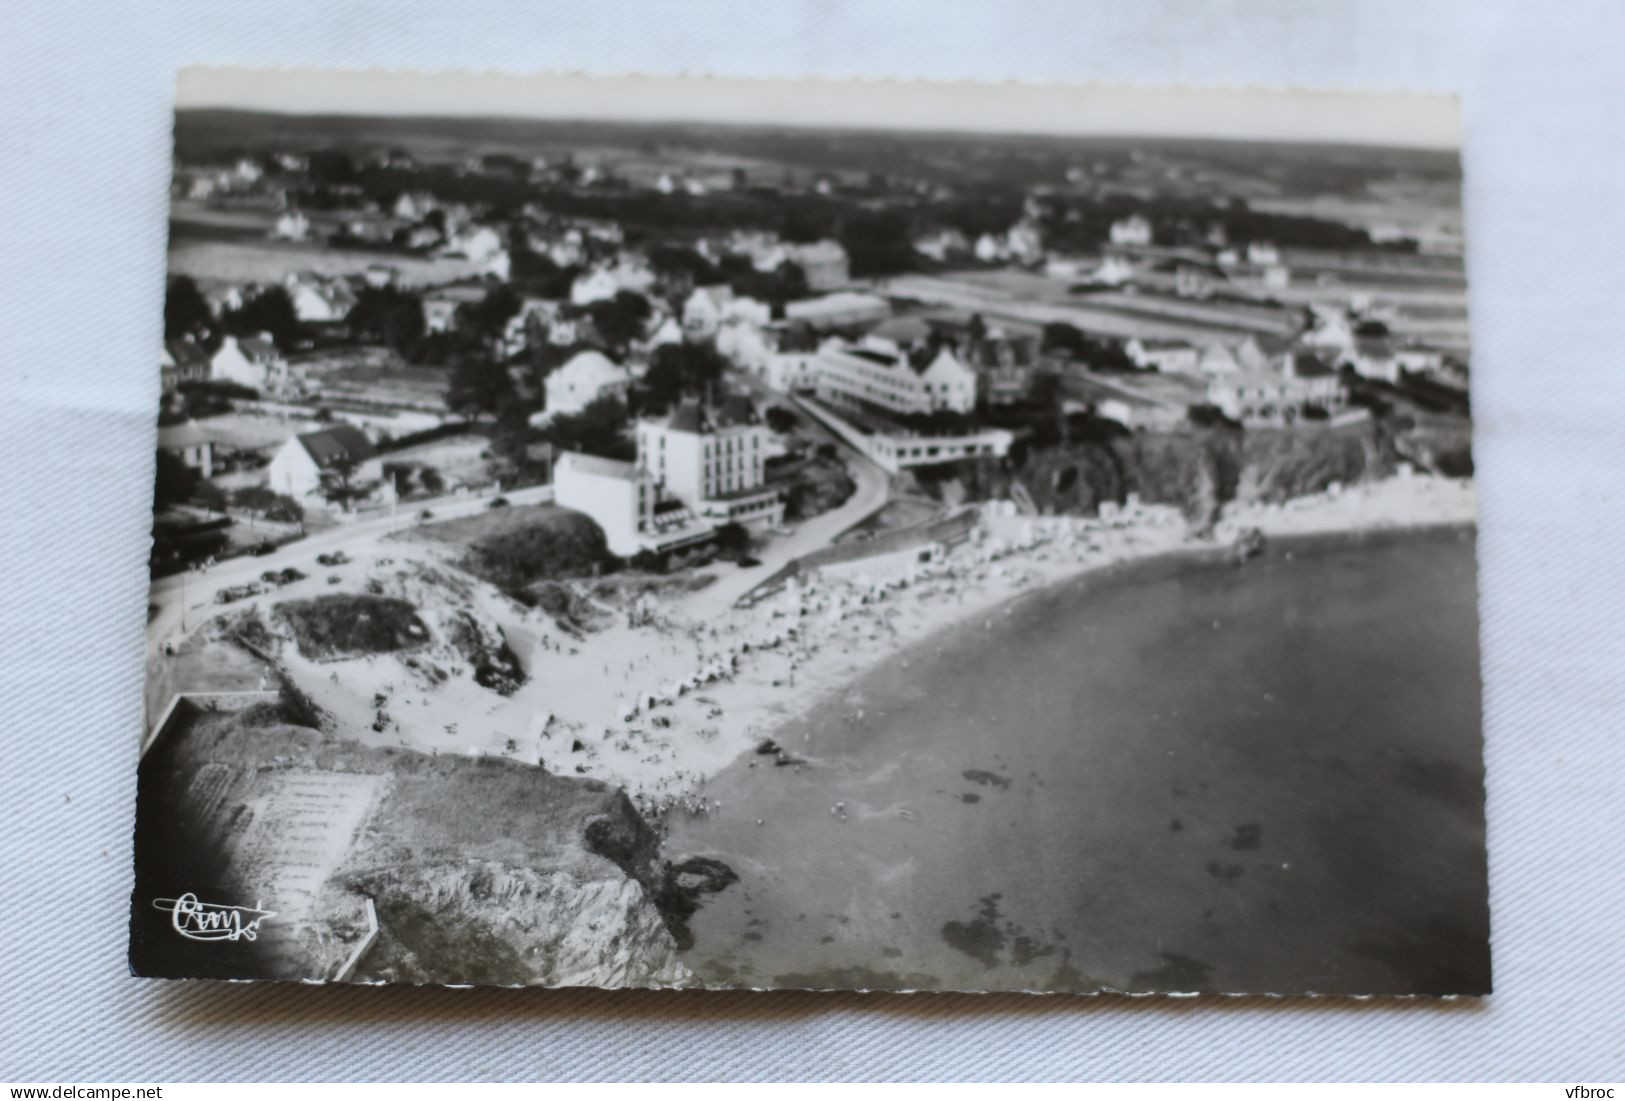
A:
[(1201, 469), (480, 869)]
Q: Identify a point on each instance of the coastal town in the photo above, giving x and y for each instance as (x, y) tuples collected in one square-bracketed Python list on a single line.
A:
[(614, 453)]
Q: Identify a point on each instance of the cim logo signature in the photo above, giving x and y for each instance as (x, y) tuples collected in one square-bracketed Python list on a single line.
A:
[(197, 920)]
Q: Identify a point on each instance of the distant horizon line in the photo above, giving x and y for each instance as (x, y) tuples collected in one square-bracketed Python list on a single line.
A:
[(1394, 120), (811, 128)]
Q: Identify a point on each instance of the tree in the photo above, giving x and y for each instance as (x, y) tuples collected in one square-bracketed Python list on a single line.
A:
[(486, 319), (732, 539), (877, 243), (780, 419), (599, 429), (479, 385), (256, 498), (1098, 354), (209, 496), (330, 166), (678, 370), (269, 311), (175, 481), (620, 320), (338, 482), (186, 311), (389, 316)]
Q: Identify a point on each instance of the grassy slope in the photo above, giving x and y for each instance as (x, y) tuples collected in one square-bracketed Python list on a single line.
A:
[(516, 546)]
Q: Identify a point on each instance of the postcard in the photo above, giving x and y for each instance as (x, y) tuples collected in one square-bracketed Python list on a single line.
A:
[(656, 532)]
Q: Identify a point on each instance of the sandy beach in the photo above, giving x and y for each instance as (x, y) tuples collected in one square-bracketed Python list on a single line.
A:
[(667, 693), (639, 699)]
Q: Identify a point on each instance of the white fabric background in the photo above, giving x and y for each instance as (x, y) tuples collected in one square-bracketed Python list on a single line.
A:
[(85, 94)]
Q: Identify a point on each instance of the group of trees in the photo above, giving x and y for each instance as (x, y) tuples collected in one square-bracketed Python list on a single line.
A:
[(1101, 355), (388, 316), (599, 429), (677, 371)]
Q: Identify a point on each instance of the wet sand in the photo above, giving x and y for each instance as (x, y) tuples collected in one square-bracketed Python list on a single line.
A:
[(1161, 776)]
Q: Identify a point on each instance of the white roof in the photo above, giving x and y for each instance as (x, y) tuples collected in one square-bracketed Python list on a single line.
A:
[(590, 367)]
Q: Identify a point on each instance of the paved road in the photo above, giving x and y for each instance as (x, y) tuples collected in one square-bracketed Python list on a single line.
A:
[(198, 589), (873, 493)]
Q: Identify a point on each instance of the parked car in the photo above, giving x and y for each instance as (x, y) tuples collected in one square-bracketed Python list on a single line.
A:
[(238, 592), (745, 561), (285, 576)]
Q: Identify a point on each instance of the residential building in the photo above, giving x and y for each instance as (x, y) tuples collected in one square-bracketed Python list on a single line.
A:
[(1218, 359), (440, 305), (302, 466), (703, 310), (875, 372), (624, 500), (187, 442), (894, 448), (182, 362), (291, 225), (824, 263), (1179, 357), (1004, 367), (251, 361), (320, 301), (1276, 397), (1133, 231), (788, 360), (586, 377), (712, 460), (599, 285), (942, 244)]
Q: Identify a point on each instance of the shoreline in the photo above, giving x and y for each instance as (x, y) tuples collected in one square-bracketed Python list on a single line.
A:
[(843, 626), (663, 694)]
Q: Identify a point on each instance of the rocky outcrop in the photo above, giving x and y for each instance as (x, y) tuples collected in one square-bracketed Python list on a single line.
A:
[(479, 869), (483, 921), (1200, 470)]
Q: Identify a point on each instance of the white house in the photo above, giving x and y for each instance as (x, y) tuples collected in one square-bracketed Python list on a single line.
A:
[(712, 460), (1273, 397), (412, 206), (1133, 231), (1218, 359), (599, 285), (250, 361), (586, 377), (824, 263), (942, 244), (291, 225), (991, 249), (703, 310), (1177, 357), (876, 372), (303, 464), (624, 500), (668, 331), (475, 242), (187, 443), (320, 301)]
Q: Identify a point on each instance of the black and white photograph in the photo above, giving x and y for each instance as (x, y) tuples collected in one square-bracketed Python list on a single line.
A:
[(722, 534)]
